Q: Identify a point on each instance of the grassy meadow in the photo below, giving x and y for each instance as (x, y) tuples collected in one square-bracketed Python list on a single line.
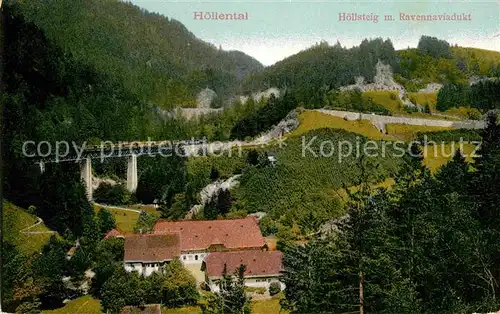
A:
[(408, 132), (16, 219), (313, 120)]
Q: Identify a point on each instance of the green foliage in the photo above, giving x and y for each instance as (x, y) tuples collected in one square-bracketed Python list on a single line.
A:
[(145, 223), (427, 109), (231, 297), (155, 57), (252, 157), (219, 205), (309, 278), (453, 95), (214, 174), (354, 101), (449, 136), (425, 246), (199, 168), (434, 47), (50, 268), (160, 178), (105, 220), (118, 290), (178, 285), (109, 256), (484, 96), (314, 71), (14, 220), (274, 288), (63, 203), (112, 194), (267, 226), (264, 118), (305, 183), (175, 287)]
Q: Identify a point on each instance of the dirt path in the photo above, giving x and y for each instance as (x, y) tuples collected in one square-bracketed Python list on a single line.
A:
[(119, 208), (39, 222)]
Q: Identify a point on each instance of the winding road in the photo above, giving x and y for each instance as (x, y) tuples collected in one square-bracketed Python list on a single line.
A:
[(39, 222)]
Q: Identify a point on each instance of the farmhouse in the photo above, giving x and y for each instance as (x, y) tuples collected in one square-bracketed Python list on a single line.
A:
[(262, 267), (150, 252), (200, 237), (191, 242)]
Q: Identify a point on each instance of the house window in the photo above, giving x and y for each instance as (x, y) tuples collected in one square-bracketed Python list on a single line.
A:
[(196, 257), (184, 257)]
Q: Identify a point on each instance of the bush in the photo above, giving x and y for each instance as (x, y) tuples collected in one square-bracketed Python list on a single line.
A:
[(274, 288), (258, 290), (448, 136), (112, 194), (145, 222), (354, 101), (268, 226)]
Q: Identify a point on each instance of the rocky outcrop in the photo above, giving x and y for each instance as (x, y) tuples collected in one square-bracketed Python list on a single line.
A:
[(205, 98), (333, 226), (431, 88), (258, 96), (186, 113), (478, 79), (287, 125), (97, 181), (212, 190), (383, 81), (215, 187)]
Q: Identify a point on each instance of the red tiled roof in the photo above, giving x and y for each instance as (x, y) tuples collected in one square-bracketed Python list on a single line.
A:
[(112, 234), (201, 234), (152, 247), (258, 263)]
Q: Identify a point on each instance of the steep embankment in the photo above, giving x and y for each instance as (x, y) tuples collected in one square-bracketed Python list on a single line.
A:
[(24, 230)]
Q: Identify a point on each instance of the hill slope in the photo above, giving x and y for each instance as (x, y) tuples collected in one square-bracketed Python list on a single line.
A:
[(16, 222), (157, 58), (312, 72)]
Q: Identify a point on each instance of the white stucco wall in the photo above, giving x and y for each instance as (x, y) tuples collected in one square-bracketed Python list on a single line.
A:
[(145, 269), (193, 257), (382, 120)]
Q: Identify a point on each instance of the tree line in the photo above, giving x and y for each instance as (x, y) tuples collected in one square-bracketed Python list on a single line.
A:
[(155, 57), (428, 245), (484, 96)]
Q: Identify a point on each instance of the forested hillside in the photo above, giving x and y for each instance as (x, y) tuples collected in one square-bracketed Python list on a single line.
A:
[(314, 71), (323, 67), (155, 57)]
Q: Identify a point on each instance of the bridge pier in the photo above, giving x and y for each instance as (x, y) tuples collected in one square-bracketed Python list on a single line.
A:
[(86, 176), (132, 173), (42, 166)]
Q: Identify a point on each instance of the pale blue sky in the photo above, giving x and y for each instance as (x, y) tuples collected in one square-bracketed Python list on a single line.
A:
[(277, 29)]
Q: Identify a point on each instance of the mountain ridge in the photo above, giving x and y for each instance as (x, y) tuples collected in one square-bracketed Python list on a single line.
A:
[(156, 57)]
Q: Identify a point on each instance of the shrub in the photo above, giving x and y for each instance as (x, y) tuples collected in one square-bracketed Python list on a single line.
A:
[(268, 226), (112, 194), (274, 288), (449, 136), (258, 290)]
